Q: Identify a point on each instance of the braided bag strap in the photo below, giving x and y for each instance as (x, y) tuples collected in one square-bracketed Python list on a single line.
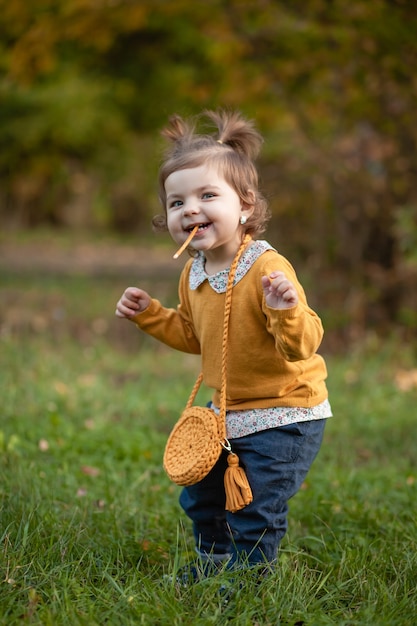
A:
[(227, 309)]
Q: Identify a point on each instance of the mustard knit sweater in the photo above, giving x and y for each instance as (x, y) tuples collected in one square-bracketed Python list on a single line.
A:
[(272, 359)]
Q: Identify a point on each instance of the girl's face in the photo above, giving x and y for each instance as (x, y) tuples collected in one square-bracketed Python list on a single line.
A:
[(200, 195)]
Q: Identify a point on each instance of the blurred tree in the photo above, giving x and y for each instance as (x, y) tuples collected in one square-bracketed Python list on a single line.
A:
[(86, 84)]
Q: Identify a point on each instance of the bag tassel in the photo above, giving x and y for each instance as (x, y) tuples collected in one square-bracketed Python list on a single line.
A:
[(238, 491)]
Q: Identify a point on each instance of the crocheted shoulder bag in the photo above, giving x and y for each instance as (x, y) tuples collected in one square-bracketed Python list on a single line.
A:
[(199, 437)]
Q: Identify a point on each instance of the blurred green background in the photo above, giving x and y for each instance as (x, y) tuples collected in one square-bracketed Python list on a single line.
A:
[(87, 85)]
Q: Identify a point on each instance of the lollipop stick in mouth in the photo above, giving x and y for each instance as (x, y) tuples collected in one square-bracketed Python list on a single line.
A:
[(186, 242)]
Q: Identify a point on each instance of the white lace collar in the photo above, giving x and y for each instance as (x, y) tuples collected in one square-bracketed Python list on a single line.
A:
[(218, 281)]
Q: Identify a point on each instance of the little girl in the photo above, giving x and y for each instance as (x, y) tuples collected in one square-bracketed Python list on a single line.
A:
[(276, 393)]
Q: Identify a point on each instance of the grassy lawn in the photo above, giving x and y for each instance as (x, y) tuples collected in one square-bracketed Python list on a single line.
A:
[(90, 524)]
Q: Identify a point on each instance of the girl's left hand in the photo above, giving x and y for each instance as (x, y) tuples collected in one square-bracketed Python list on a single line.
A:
[(279, 292)]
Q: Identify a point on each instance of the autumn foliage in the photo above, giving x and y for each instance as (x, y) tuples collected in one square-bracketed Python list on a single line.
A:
[(86, 85)]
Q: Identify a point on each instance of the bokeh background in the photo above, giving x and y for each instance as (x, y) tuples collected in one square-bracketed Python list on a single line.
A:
[(87, 85)]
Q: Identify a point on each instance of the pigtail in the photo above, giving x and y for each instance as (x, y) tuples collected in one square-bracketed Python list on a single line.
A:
[(178, 131), (236, 132)]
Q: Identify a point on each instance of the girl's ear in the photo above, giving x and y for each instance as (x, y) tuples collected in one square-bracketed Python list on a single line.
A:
[(248, 204)]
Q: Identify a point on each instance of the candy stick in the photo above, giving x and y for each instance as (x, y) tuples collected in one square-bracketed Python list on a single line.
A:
[(186, 242)]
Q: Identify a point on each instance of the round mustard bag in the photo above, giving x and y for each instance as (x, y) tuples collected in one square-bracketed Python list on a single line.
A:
[(193, 447)]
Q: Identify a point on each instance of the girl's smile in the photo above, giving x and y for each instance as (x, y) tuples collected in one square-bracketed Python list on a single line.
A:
[(201, 227)]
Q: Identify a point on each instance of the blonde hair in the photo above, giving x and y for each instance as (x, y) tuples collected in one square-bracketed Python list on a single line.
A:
[(232, 148)]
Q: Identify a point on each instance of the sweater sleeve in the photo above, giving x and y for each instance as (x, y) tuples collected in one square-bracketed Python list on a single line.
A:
[(171, 326), (297, 331)]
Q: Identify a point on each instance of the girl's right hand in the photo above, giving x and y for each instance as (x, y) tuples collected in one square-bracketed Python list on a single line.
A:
[(133, 301)]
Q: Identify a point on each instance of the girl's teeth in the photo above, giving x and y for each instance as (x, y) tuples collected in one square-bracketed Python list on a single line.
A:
[(200, 227)]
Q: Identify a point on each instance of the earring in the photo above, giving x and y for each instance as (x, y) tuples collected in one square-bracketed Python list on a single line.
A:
[(243, 219)]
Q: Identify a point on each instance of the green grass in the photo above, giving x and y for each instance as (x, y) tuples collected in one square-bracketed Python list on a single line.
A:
[(90, 524)]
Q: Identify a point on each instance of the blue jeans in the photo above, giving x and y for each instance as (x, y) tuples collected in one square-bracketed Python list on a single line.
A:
[(276, 462)]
